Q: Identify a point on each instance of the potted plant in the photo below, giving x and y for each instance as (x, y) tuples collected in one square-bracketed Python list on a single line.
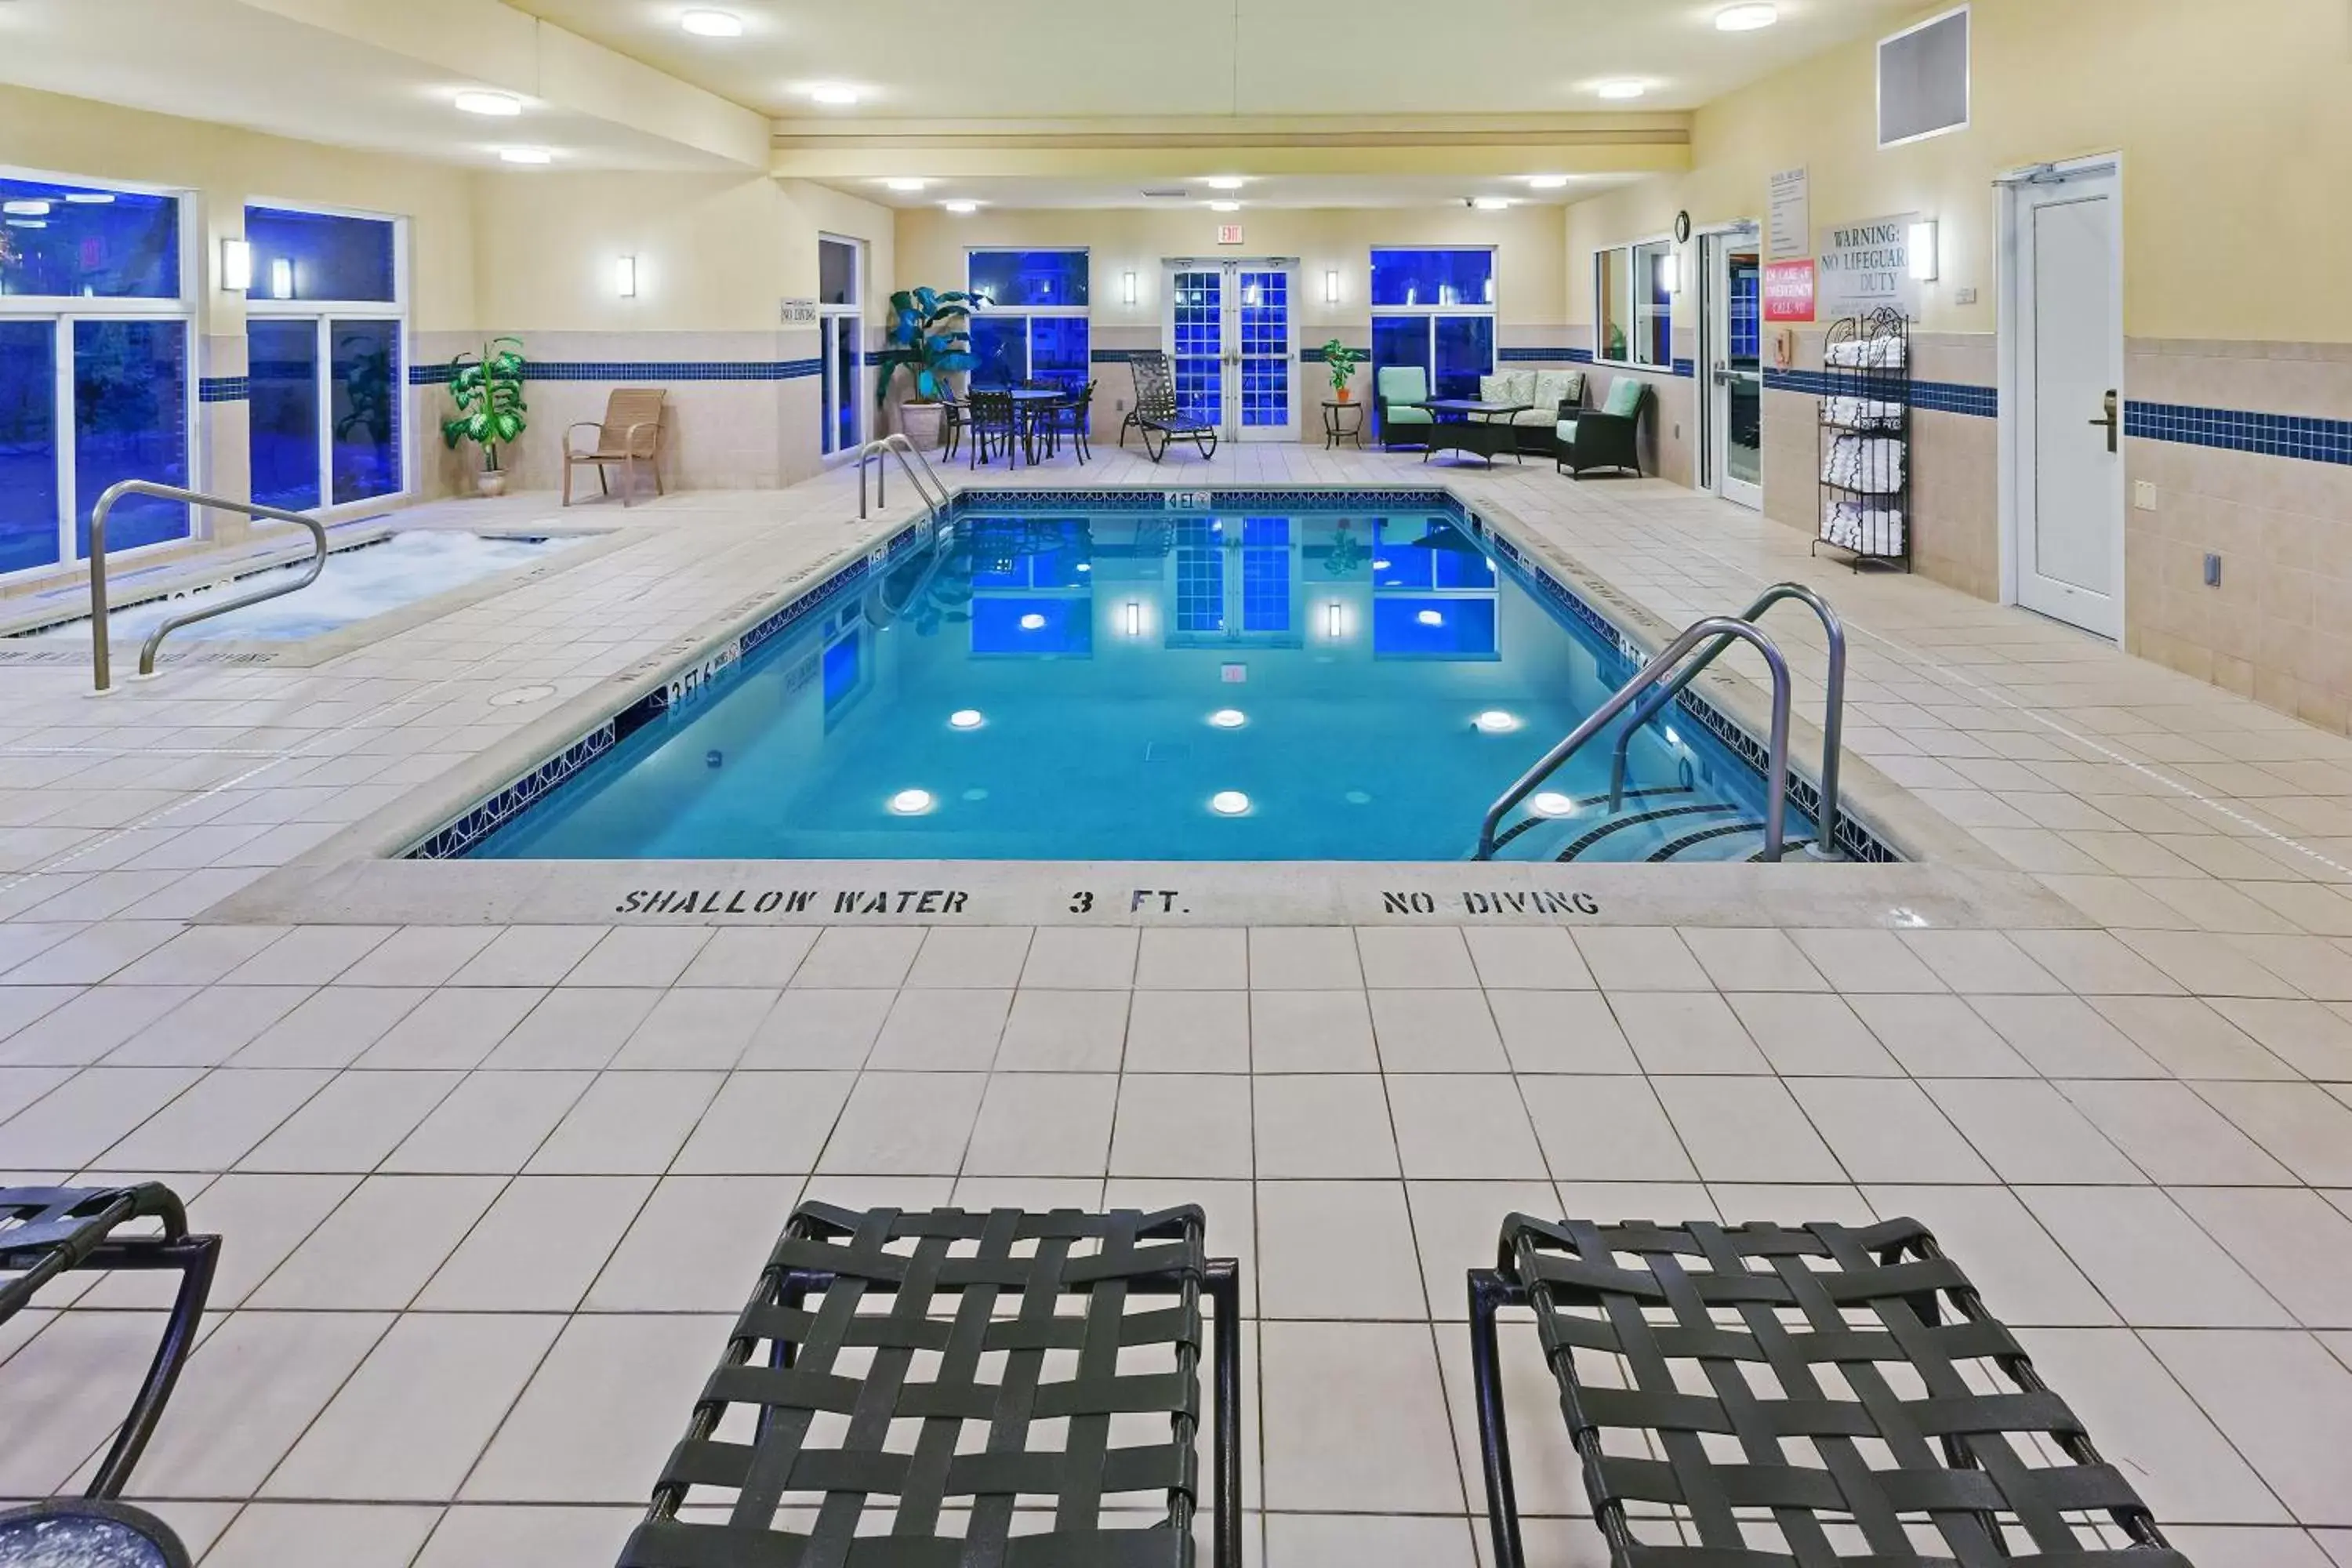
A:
[(929, 335), (487, 390), (1343, 362)]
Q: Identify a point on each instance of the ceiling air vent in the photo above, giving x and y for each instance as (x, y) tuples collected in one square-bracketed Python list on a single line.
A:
[(1923, 81), (1168, 193)]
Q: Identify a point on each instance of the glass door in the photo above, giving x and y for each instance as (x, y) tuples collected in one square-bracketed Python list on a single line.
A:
[(1733, 268), (841, 337), (1233, 338)]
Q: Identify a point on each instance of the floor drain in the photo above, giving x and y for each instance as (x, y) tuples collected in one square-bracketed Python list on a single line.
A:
[(520, 695)]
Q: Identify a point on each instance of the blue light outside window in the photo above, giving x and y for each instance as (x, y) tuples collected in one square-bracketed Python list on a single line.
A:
[(1433, 629), (131, 422), (364, 408), (1432, 279), (1453, 352), (1015, 349), (1426, 555), (282, 368), (28, 445), (1746, 313), (1063, 627), (319, 256), (75, 242), (1008, 279)]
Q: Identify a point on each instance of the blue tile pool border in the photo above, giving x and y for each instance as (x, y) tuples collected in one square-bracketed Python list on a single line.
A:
[(458, 836)]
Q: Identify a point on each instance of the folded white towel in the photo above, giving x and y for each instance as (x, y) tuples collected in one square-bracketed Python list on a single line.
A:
[(1872, 464), (1869, 529), (1862, 413), (1867, 354)]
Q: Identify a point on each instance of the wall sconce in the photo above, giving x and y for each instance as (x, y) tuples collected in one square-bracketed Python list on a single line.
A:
[(281, 279), (625, 277), (1134, 617), (235, 266), (1925, 262), (1126, 288), (1331, 286)]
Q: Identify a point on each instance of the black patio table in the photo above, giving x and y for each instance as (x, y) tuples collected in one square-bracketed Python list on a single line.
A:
[(1481, 429)]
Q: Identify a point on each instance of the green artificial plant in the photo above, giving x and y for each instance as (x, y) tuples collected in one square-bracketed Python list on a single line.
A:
[(931, 335), (487, 390), (1343, 362)]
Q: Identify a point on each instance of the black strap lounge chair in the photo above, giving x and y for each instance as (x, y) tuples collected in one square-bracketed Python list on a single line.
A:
[(954, 1363), (1155, 390), (49, 1231), (1821, 1397)]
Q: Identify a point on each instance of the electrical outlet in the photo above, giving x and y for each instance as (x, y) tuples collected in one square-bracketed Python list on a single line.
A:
[(1964, 297), (2212, 570), (2144, 495)]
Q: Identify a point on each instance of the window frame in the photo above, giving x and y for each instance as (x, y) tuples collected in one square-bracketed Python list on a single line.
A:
[(62, 311), (1491, 311), (327, 312), (1024, 314), (827, 314), (1636, 312)]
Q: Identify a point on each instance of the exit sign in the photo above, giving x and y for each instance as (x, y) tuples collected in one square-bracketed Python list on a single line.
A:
[(1229, 234)]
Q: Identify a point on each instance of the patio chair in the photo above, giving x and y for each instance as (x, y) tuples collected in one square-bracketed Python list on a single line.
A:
[(631, 434), (939, 1368), (994, 417), (951, 426), (49, 1231), (1819, 1397), (1607, 437), (1073, 417), (1155, 390), (1394, 386)]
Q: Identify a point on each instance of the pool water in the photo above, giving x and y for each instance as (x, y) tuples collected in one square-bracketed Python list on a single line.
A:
[(1319, 686), (357, 584)]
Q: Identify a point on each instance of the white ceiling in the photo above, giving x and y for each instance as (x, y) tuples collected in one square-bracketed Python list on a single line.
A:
[(1397, 191), (1050, 58)]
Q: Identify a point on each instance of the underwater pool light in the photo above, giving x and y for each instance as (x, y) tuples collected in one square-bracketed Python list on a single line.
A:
[(966, 719), (1495, 721), (1550, 804), (1229, 718), (1229, 803), (911, 801)]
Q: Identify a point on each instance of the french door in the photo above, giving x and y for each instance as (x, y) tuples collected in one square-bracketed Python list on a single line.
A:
[(323, 409), (1731, 269), (1233, 337), (86, 401), (2066, 348)]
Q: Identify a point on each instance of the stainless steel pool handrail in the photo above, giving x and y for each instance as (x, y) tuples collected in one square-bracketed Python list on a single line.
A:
[(101, 647), (934, 494), (1776, 771), (1825, 843)]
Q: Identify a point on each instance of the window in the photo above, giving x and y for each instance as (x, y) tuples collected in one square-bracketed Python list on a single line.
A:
[(841, 341), (1435, 308), (325, 340), (1633, 285), (1032, 322), (96, 366)]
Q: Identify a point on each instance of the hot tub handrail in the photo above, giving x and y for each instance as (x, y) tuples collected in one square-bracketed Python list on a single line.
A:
[(933, 494), (101, 649), (1776, 772), (1824, 845)]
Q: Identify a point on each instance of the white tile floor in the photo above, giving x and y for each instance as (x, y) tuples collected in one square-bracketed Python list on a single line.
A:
[(491, 1194)]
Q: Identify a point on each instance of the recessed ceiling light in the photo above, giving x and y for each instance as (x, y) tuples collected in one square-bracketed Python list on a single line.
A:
[(1546, 182), (904, 184), (835, 93), (962, 209), (1225, 182), (712, 24), (25, 209), (1746, 18), (1490, 204), (1224, 206), (533, 156), (497, 105), (1621, 89)]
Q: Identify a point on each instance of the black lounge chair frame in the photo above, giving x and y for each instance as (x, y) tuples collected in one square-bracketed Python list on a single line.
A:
[(818, 1429), (1959, 1464), (48, 1231)]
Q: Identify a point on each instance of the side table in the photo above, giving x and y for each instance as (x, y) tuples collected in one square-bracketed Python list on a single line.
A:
[(1338, 427)]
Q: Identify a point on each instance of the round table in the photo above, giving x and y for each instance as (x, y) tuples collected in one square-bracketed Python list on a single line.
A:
[(1336, 427)]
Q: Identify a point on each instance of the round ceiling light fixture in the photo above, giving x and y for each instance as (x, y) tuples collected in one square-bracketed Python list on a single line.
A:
[(1224, 206), (1746, 18), (962, 209), (496, 105), (530, 156), (1491, 203), (1546, 182), (907, 185), (1226, 181), (840, 95), (712, 24), (1619, 91)]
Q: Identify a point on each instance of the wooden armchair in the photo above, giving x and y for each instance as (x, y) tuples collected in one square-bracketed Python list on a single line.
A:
[(631, 434)]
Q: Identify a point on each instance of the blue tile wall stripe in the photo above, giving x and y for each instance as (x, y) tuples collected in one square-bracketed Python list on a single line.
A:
[(224, 389), (1686, 368), (2242, 430), (641, 369), (1938, 397), (1544, 355)]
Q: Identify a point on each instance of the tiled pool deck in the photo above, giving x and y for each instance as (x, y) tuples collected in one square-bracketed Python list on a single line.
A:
[(492, 1193)]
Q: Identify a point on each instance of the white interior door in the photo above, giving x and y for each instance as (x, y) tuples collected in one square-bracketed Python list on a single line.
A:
[(1232, 336), (2068, 354), (1733, 268)]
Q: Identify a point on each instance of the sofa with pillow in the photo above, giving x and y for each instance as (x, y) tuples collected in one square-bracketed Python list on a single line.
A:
[(1556, 394), (1608, 437)]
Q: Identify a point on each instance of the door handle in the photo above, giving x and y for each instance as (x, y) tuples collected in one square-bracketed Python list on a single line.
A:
[(2112, 419)]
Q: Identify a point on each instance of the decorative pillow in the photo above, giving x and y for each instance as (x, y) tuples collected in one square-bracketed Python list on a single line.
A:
[(1523, 386), (1625, 396), (1494, 389), (1553, 388)]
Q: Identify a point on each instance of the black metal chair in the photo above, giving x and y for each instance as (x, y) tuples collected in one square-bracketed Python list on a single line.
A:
[(878, 1342), (951, 426), (1073, 417), (1821, 1397), (1155, 390), (994, 419), (49, 1231)]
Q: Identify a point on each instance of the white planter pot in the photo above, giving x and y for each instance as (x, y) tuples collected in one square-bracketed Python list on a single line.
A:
[(490, 482)]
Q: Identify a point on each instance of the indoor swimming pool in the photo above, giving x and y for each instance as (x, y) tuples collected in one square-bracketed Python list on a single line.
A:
[(359, 583), (1326, 680)]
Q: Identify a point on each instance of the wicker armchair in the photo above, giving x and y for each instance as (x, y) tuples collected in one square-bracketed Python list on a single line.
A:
[(631, 434)]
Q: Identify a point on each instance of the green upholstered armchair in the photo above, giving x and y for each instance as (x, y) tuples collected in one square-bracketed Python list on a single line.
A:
[(1394, 386), (1604, 437)]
